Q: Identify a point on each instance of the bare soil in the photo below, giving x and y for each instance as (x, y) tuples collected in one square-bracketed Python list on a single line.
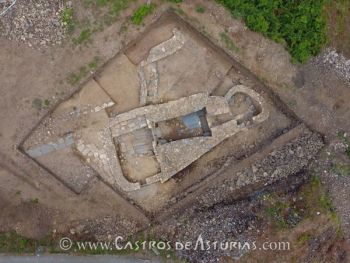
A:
[(35, 202)]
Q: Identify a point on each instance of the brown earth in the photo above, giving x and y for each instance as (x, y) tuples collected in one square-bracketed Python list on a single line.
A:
[(317, 97)]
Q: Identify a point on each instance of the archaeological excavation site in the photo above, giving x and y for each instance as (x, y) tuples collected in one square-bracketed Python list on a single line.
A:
[(168, 119), (175, 124)]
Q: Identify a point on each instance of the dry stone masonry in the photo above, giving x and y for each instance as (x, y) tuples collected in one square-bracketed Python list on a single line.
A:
[(165, 121)]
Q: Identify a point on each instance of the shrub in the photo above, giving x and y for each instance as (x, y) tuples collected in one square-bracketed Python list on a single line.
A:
[(300, 25), (141, 13)]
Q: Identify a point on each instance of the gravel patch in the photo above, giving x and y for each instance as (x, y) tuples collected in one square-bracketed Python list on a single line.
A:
[(332, 60), (105, 227), (33, 22), (6, 5), (224, 224)]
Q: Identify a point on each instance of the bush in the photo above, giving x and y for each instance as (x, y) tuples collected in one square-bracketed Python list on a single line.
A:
[(141, 13), (300, 24)]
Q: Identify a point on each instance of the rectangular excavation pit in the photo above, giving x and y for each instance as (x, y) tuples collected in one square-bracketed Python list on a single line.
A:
[(196, 67)]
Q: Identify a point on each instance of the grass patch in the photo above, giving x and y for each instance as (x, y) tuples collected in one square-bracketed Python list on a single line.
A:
[(341, 135), (303, 238), (76, 77), (286, 212), (35, 200), (123, 28), (105, 12), (141, 12), (341, 169), (338, 20), (94, 63), (224, 37), (40, 104), (37, 103), (200, 9), (317, 201), (299, 25), (67, 19), (83, 37), (13, 243), (175, 1), (276, 213), (114, 6), (347, 151), (47, 103)]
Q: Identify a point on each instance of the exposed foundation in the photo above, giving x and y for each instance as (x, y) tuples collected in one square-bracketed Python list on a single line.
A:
[(162, 121)]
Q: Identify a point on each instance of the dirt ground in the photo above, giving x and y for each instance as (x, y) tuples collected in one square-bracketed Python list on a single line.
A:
[(34, 203), (338, 26)]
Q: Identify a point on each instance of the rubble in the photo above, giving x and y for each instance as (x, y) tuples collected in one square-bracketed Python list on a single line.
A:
[(34, 22), (335, 61)]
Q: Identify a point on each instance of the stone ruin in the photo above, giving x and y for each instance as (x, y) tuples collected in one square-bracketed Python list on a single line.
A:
[(155, 119)]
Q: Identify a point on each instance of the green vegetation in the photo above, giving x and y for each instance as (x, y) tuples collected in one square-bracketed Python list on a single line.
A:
[(276, 212), (303, 238), (141, 12), (13, 243), (46, 103), (338, 23), (114, 7), (34, 201), (123, 28), (66, 18), (342, 7), (285, 212), (37, 103), (94, 63), (228, 42), (200, 9), (40, 104), (343, 137), (341, 169), (84, 37), (175, 1), (317, 201), (75, 78), (105, 12), (299, 25)]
